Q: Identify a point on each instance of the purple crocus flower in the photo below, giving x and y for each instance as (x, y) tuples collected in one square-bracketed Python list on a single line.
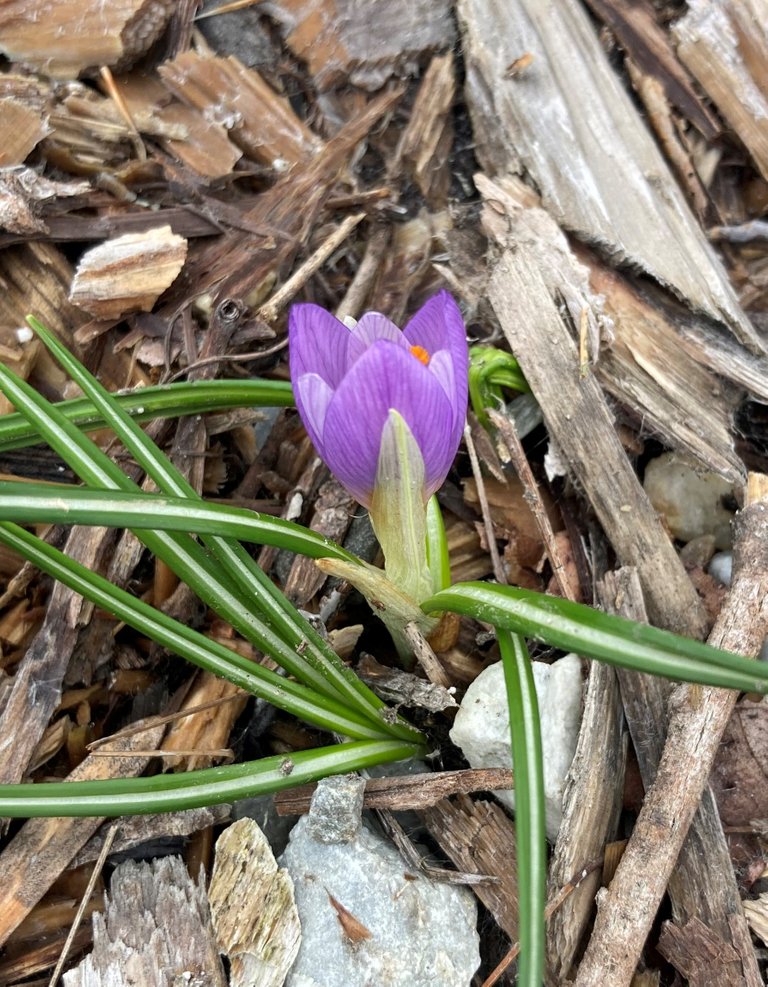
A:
[(346, 381)]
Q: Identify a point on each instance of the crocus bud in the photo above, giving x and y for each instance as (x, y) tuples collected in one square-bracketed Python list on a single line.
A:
[(347, 381), (385, 409)]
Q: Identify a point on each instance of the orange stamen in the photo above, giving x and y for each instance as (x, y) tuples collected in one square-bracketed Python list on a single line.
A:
[(421, 354)]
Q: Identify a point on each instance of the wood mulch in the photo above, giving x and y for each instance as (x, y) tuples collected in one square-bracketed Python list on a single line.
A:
[(589, 179)]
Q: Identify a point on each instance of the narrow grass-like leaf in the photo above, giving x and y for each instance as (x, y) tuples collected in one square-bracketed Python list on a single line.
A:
[(322, 667), (158, 401), (186, 557), (575, 627), (32, 503), (530, 828), (193, 789), (284, 693)]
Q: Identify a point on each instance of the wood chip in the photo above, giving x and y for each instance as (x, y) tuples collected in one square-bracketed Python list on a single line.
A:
[(70, 36), (129, 273), (400, 792), (724, 44), (700, 955), (256, 118), (568, 122), (156, 924), (479, 838), (252, 908), (364, 43), (592, 803), (42, 848), (22, 129), (525, 290)]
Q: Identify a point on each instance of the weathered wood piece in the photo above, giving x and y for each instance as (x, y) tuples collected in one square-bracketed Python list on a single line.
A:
[(332, 515), (647, 44), (479, 837), (258, 120), (22, 129), (73, 35), (253, 909), (129, 273), (698, 718), (200, 143), (400, 792), (42, 848), (661, 382), (156, 931), (703, 883), (426, 142), (568, 123), (364, 43), (591, 806), (702, 957), (534, 271), (23, 192), (37, 684), (724, 44), (135, 830)]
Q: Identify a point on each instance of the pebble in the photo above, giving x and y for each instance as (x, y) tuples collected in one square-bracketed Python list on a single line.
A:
[(691, 501), (481, 727)]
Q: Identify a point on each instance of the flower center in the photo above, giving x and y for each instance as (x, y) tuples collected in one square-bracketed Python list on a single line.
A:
[(421, 354)]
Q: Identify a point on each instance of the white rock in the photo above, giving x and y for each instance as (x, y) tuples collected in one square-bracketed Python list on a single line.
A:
[(690, 500), (481, 728), (721, 567), (412, 932)]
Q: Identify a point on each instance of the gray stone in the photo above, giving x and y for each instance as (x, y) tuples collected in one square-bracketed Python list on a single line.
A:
[(368, 922), (481, 727), (337, 804), (690, 500)]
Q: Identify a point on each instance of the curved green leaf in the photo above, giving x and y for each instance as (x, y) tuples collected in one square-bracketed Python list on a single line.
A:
[(158, 401), (31, 503), (193, 789), (304, 702), (575, 627)]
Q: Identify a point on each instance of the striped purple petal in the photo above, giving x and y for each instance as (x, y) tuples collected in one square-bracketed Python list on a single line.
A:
[(386, 377), (346, 382)]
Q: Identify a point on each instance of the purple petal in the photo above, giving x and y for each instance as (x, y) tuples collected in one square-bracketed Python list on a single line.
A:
[(318, 344), (372, 326), (313, 396), (386, 377), (439, 327)]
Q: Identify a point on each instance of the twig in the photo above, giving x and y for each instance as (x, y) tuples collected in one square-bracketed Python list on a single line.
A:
[(493, 549), (425, 656), (98, 867), (699, 716), (270, 310), (360, 285), (552, 906), (508, 433)]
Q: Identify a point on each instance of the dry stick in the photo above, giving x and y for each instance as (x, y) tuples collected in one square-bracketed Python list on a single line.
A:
[(493, 548), (360, 286), (552, 906), (98, 867), (511, 439), (699, 716), (425, 656), (271, 309)]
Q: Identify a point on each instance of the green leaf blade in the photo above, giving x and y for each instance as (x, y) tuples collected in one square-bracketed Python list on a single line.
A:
[(575, 627)]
